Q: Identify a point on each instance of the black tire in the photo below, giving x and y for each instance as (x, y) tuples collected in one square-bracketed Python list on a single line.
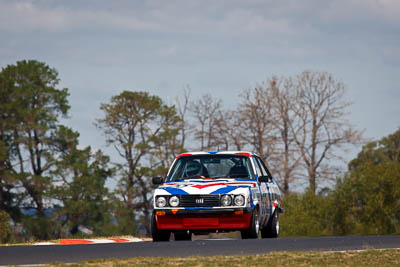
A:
[(182, 236), (252, 231), (272, 228), (158, 235)]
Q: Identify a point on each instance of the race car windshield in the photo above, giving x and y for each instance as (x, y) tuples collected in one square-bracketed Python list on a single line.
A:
[(211, 166)]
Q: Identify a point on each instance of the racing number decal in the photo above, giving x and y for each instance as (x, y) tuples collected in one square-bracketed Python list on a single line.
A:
[(266, 200), (267, 189)]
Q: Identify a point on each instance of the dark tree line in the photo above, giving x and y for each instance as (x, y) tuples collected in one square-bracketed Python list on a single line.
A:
[(296, 124)]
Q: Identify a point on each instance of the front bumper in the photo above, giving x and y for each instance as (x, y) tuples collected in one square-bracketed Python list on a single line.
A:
[(203, 219)]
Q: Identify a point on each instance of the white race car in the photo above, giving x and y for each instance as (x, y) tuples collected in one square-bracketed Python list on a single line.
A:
[(208, 192)]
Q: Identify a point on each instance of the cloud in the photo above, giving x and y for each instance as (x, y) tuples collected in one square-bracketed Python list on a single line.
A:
[(21, 16), (194, 30), (158, 16), (26, 16), (251, 15), (365, 13), (233, 18)]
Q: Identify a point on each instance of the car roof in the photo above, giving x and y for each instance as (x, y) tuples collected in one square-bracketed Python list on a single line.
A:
[(245, 153)]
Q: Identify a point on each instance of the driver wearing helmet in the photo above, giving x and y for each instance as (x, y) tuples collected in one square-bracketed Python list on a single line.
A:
[(193, 169)]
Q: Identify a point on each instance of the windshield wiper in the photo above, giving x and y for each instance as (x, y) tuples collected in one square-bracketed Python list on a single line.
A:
[(238, 176), (194, 177)]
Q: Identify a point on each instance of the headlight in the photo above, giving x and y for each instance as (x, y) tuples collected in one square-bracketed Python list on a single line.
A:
[(174, 201), (226, 200), (161, 202), (238, 200)]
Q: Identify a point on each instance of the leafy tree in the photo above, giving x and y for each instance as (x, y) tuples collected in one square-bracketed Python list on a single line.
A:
[(138, 124), (167, 144), (7, 182), (8, 108), (369, 195), (80, 179), (40, 164), (387, 149), (29, 124)]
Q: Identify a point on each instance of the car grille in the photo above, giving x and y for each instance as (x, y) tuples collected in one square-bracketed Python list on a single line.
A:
[(199, 201)]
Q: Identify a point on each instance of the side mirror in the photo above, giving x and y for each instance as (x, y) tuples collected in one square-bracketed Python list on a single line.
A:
[(263, 179), (157, 180)]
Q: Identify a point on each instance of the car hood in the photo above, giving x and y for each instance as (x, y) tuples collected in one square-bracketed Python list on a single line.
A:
[(205, 186)]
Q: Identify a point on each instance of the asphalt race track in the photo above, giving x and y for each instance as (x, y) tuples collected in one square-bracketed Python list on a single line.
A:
[(18, 255)]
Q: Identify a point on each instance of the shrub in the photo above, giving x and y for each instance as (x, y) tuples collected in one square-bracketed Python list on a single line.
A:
[(5, 231), (38, 228), (306, 215)]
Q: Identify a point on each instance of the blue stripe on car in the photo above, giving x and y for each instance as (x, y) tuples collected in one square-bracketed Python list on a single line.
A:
[(270, 201), (251, 198), (245, 180), (175, 191), (224, 190), (228, 189)]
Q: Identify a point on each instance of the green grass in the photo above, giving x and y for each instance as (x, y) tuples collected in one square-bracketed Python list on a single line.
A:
[(352, 258)]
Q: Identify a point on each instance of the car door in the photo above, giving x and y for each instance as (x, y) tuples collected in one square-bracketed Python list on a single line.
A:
[(275, 193), (265, 206)]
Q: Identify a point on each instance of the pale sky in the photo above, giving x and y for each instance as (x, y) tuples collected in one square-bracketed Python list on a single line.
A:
[(219, 47)]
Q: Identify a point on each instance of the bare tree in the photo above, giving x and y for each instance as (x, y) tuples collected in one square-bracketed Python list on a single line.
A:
[(258, 129), (229, 130), (296, 124), (182, 104), (320, 112), (283, 101), (267, 115), (205, 111)]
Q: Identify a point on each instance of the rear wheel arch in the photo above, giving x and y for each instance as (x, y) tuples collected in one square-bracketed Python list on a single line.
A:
[(271, 230)]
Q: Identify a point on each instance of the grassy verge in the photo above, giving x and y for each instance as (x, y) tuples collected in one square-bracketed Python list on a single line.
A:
[(352, 258)]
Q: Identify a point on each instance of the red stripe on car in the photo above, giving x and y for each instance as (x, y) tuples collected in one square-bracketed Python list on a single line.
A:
[(201, 186), (184, 154)]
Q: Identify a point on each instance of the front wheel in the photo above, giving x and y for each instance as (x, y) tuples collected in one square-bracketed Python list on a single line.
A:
[(252, 231), (272, 228), (158, 235)]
